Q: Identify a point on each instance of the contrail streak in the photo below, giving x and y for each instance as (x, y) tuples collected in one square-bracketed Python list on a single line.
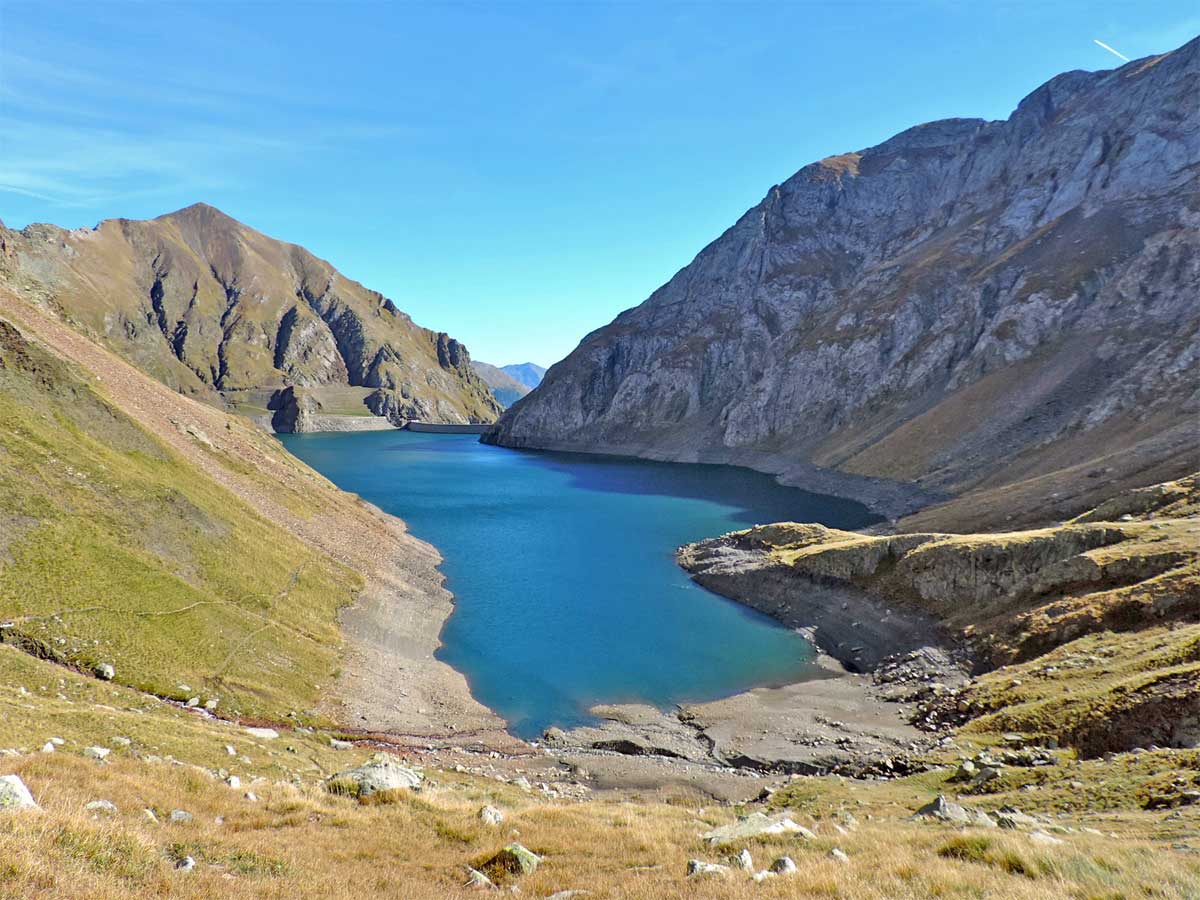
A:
[(1115, 53)]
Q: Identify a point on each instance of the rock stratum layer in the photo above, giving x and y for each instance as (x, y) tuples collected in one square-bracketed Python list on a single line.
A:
[(968, 305), (216, 310)]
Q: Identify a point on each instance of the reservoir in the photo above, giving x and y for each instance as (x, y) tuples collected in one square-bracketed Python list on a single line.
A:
[(562, 567)]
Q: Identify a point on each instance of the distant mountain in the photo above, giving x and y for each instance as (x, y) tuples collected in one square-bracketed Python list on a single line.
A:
[(529, 374), (217, 310), (969, 306), (507, 389)]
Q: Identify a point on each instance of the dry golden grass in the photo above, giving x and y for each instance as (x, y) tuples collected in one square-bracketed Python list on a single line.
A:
[(298, 840), (302, 842)]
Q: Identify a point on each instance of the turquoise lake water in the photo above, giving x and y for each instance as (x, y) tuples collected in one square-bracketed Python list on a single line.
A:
[(562, 568)]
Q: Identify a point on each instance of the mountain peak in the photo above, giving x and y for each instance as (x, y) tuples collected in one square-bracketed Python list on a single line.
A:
[(199, 213)]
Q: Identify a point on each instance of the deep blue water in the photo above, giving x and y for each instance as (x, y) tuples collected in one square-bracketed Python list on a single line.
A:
[(562, 567)]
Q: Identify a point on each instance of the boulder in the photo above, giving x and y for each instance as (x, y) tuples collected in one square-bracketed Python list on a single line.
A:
[(513, 860), (491, 816), (14, 794), (698, 867), (1008, 817), (754, 825), (382, 773), (944, 810), (477, 879), (783, 866)]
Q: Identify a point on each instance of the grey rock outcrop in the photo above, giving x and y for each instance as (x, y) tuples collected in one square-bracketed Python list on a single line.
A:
[(382, 773), (756, 825), (944, 810), (969, 301)]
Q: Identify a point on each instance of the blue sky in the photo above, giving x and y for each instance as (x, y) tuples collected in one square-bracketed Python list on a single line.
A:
[(513, 173)]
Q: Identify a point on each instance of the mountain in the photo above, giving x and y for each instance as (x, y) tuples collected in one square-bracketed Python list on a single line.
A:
[(216, 310), (529, 374), (187, 550), (507, 389), (970, 306)]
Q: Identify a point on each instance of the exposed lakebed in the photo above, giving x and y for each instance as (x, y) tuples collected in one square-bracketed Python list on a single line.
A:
[(562, 566)]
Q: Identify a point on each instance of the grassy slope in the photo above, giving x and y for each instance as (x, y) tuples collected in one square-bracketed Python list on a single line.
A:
[(298, 841), (1088, 632), (118, 551)]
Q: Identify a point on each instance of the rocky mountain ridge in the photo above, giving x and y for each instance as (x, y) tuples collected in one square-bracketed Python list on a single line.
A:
[(219, 311), (507, 389), (968, 306), (529, 374)]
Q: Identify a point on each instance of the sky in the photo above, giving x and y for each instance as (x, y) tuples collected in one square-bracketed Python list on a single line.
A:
[(513, 173)]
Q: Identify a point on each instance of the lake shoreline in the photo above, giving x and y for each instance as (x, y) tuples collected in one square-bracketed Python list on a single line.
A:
[(395, 689)]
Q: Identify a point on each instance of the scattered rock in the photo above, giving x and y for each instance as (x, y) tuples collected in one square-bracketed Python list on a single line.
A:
[(192, 703), (180, 815), (491, 816), (185, 865), (251, 796), (48, 747), (783, 866), (337, 744), (1011, 818), (568, 895), (121, 742), (698, 867), (839, 855), (14, 794), (754, 825), (477, 879), (234, 782), (149, 816), (947, 811), (1041, 837), (511, 860), (211, 705), (101, 807), (266, 734), (105, 672), (382, 773), (97, 753), (744, 861)]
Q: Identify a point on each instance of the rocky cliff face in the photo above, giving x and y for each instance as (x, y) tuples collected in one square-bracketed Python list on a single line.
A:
[(966, 305), (212, 307)]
